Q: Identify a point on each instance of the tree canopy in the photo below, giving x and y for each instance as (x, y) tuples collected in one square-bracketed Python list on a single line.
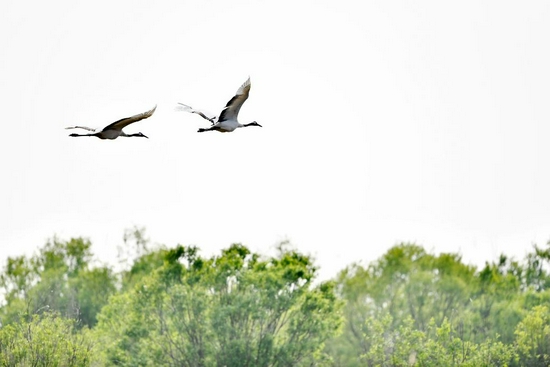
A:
[(411, 307), (162, 306)]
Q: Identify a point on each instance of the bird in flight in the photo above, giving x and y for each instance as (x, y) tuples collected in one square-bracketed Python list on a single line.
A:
[(227, 121), (114, 130)]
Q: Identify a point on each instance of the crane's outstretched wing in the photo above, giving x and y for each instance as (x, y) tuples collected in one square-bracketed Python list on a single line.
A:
[(186, 108), (122, 123), (81, 127), (232, 107)]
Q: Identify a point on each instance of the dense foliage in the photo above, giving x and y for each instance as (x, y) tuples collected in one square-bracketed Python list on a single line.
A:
[(231, 310), (414, 308), (173, 307)]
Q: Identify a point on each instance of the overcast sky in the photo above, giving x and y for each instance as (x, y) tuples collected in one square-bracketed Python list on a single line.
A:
[(383, 121)]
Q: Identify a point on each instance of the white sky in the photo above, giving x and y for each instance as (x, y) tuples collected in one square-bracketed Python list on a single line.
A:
[(383, 121)]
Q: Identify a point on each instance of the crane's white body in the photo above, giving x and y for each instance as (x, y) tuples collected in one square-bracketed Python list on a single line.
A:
[(111, 134), (226, 126)]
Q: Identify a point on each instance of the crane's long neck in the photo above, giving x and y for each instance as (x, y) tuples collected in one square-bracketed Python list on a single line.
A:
[(253, 123), (139, 135)]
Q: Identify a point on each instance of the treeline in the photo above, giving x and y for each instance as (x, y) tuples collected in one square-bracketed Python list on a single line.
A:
[(412, 308), (173, 307)]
